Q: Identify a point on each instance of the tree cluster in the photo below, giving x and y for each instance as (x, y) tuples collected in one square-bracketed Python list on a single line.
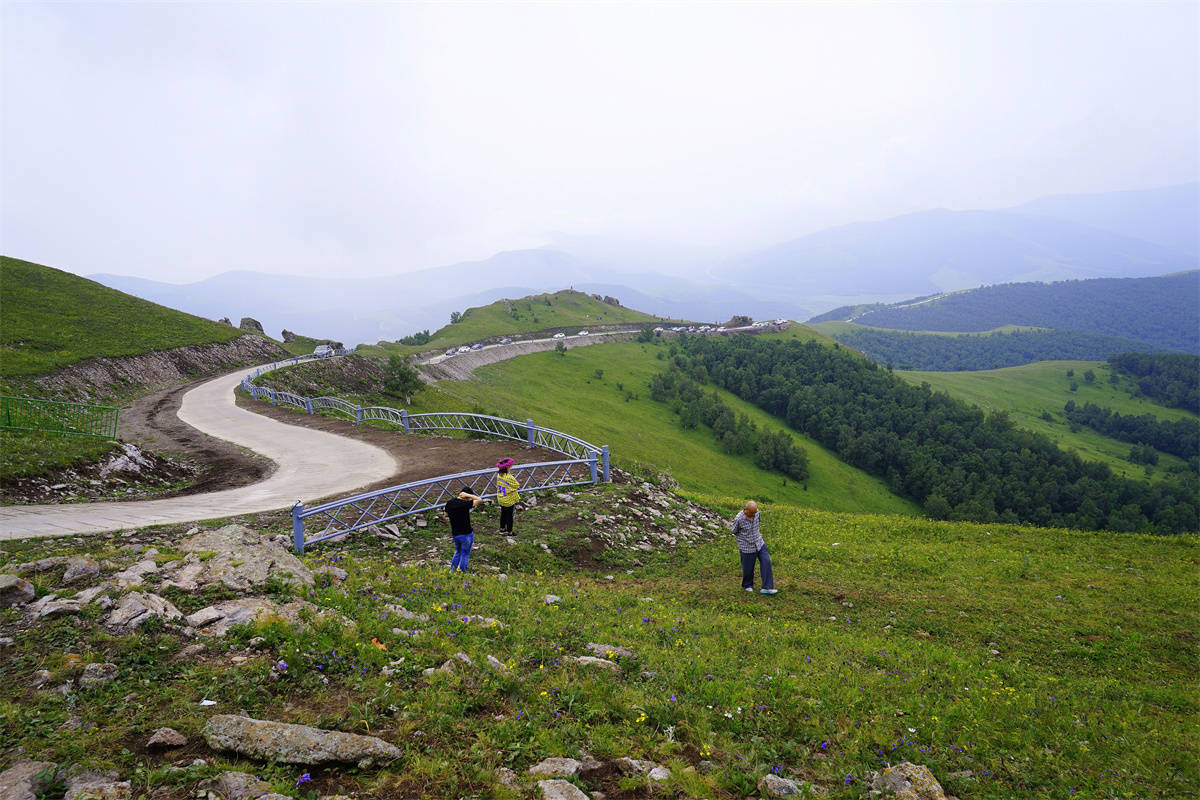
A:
[(736, 434), (418, 338), (1173, 379), (958, 461), (401, 379), (1180, 438), (975, 351)]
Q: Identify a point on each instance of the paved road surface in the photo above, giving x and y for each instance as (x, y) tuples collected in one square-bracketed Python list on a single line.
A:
[(309, 464)]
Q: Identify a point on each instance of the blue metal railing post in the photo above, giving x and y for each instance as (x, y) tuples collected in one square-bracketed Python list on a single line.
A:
[(404, 419), (298, 528), (358, 415), (529, 429), (308, 404), (604, 455), (592, 466)]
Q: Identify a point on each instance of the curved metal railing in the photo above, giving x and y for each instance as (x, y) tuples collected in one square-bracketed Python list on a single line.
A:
[(586, 462)]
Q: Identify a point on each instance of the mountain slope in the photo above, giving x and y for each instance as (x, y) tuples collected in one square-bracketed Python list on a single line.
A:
[(1162, 311), (53, 318), (943, 250), (1168, 216)]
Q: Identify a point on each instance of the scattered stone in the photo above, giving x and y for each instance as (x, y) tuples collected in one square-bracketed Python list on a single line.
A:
[(136, 608), (191, 651), (705, 767), (295, 744), (556, 767), (404, 613), (15, 591), (42, 564), (97, 675), (242, 559), (609, 650), (486, 621), (558, 789), (632, 766), (505, 776), (775, 786), (80, 567), (217, 620), (422, 523), (551, 599), (135, 575), (5, 641), (659, 773), (496, 664), (51, 606), (165, 738), (90, 785), (907, 781), (592, 661), (24, 779), (235, 786), (40, 678)]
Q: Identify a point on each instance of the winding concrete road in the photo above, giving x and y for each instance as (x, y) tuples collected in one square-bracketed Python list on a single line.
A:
[(310, 464)]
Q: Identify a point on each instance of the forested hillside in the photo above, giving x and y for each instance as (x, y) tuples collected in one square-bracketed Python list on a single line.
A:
[(1173, 380), (956, 460), (1161, 311), (957, 353)]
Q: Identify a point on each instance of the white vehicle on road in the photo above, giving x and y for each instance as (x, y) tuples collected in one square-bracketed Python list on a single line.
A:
[(560, 336), (464, 349), (583, 333), (323, 351)]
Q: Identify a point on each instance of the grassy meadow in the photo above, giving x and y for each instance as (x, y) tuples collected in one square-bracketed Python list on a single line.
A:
[(1026, 392), (53, 318), (1013, 662)]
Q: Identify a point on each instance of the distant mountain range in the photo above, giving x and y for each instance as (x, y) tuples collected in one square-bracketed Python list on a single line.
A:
[(1118, 234), (1162, 312)]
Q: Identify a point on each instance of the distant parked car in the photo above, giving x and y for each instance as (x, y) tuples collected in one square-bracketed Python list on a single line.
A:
[(323, 351), (451, 351), (720, 327), (477, 346), (658, 329), (464, 349), (506, 341), (583, 333), (560, 336)]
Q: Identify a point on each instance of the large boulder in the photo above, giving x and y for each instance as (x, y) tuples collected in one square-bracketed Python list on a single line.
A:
[(14, 591), (556, 768), (252, 325), (217, 620), (295, 744), (558, 789), (24, 780), (907, 781), (238, 558)]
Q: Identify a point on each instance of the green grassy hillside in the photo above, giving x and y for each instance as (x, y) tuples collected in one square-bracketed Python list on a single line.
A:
[(1013, 662), (1028, 391), (529, 314), (52, 318)]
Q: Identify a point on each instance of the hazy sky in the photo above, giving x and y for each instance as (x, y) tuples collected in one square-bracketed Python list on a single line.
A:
[(175, 141)]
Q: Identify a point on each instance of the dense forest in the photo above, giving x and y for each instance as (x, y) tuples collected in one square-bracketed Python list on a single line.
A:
[(1171, 379), (974, 351), (1162, 311), (736, 435), (1180, 438), (959, 462)]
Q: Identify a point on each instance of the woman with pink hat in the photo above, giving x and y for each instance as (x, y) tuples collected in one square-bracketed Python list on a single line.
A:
[(506, 494)]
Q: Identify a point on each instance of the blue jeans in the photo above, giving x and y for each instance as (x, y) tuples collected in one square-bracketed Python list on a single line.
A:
[(462, 551), (764, 560)]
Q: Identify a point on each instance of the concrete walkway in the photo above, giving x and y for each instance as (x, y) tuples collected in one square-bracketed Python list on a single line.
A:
[(310, 464)]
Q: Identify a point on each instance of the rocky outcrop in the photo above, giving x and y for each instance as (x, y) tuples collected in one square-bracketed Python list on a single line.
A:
[(136, 608), (558, 789), (907, 781), (217, 620), (239, 558), (251, 325), (775, 786), (295, 744), (556, 768), (234, 786), (102, 377)]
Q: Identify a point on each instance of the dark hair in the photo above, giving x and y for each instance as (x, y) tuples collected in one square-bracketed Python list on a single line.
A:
[(466, 489)]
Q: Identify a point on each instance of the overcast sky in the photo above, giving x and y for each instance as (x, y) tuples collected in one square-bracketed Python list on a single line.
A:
[(176, 141)]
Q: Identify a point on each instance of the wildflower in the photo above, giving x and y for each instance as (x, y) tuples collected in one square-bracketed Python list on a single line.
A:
[(378, 643), (305, 778), (282, 666)]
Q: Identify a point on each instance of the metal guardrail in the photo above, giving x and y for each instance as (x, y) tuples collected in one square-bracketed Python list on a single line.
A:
[(586, 462), (53, 416)]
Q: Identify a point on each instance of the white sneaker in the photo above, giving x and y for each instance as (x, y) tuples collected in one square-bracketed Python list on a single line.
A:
[(769, 591), (749, 588)]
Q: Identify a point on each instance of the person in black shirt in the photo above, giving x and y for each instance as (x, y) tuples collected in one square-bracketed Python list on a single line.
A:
[(459, 512)]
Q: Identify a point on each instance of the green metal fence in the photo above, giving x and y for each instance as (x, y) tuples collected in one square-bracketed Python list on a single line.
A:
[(51, 416)]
